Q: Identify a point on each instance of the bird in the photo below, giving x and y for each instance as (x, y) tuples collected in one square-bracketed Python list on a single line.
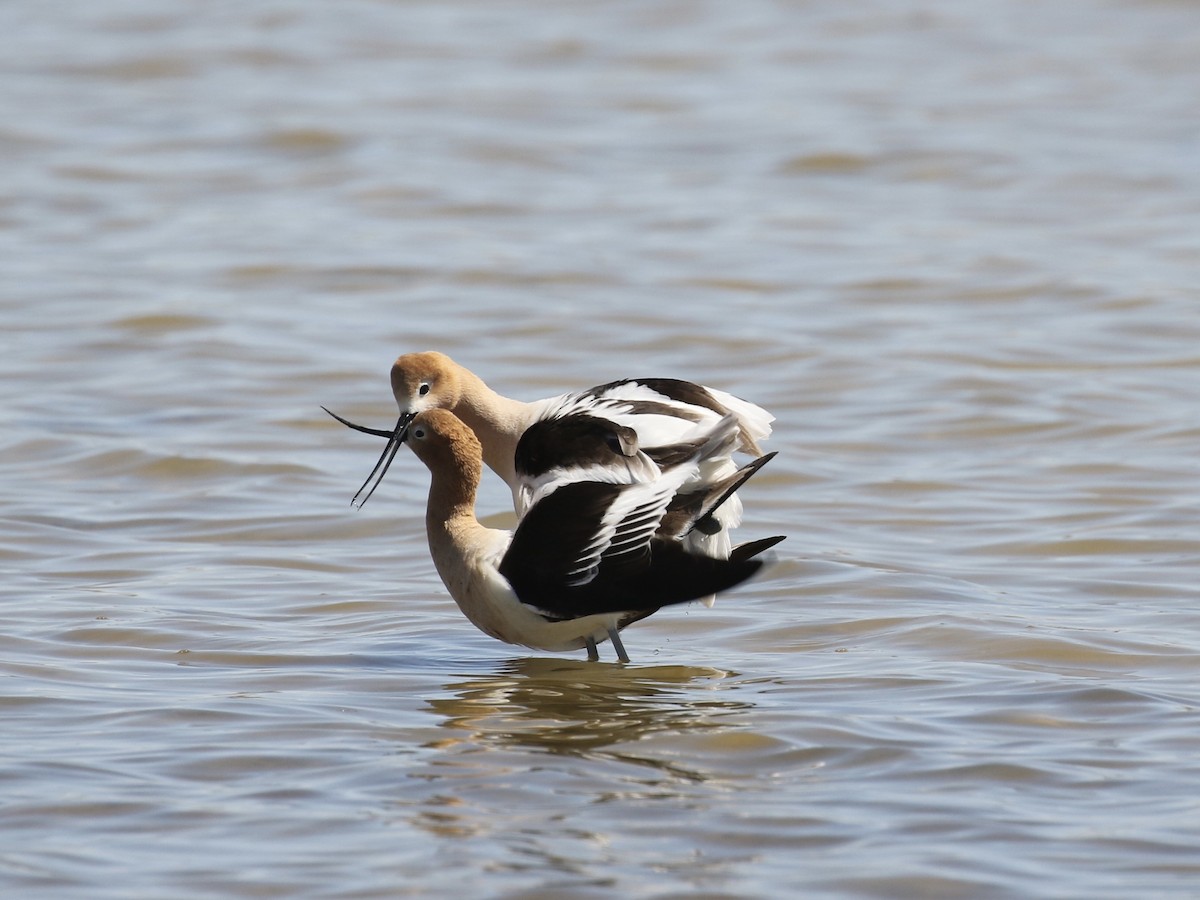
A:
[(587, 557), (660, 415)]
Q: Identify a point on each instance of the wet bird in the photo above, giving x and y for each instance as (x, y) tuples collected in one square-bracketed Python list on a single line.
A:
[(657, 415), (587, 557)]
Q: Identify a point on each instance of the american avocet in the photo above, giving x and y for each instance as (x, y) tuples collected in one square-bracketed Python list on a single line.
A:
[(588, 557), (660, 415)]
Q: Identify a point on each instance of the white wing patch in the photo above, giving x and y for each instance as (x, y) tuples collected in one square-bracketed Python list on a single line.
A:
[(755, 420), (627, 525), (639, 469), (678, 421)]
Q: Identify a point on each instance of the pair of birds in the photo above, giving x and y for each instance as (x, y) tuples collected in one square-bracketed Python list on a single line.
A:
[(625, 495)]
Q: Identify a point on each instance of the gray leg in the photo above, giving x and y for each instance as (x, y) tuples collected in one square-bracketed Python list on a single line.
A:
[(617, 645), (593, 653)]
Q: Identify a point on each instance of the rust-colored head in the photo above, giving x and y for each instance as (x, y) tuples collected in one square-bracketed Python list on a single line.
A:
[(447, 446), (426, 380)]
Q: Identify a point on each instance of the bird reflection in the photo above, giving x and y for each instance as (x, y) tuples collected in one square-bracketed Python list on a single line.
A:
[(507, 722), (575, 707)]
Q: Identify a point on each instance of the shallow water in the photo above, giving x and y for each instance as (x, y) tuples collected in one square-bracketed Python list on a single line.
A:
[(951, 246)]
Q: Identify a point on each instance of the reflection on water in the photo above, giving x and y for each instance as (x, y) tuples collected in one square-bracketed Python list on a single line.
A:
[(592, 740), (580, 708)]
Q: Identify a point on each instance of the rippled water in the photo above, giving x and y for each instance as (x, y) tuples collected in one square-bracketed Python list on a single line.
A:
[(951, 245)]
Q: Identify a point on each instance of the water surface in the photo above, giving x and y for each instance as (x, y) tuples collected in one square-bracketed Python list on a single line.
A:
[(951, 246)]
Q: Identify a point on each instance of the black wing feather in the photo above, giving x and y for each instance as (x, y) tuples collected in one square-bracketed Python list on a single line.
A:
[(633, 575), (576, 439)]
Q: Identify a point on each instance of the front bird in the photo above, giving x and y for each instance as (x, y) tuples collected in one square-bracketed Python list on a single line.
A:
[(588, 557)]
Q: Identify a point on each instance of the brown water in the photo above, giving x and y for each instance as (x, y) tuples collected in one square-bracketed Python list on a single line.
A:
[(953, 246)]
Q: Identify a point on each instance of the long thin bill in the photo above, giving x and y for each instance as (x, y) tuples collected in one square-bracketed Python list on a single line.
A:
[(378, 432), (381, 468)]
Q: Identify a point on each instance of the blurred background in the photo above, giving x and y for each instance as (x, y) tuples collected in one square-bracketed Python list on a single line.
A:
[(951, 245)]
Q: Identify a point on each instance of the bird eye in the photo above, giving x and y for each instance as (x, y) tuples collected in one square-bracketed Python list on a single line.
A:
[(423, 389), (418, 433)]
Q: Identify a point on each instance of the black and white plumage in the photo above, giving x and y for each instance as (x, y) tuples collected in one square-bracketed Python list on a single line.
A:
[(589, 556)]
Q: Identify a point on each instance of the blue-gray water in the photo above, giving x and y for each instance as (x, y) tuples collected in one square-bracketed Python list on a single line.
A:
[(952, 245)]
